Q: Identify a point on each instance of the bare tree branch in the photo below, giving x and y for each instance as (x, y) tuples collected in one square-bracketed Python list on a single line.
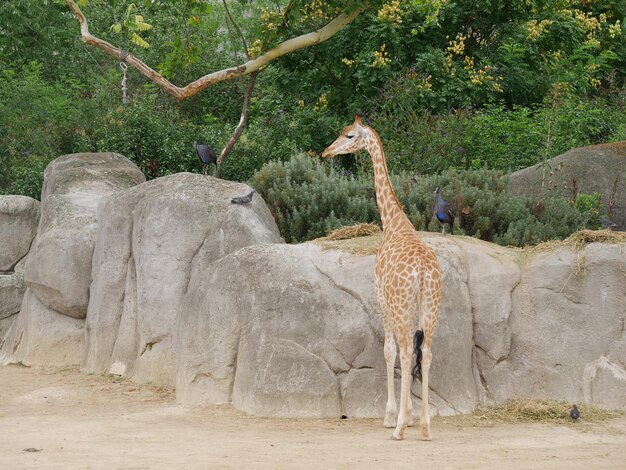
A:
[(252, 65), (247, 94), (243, 122), (238, 29)]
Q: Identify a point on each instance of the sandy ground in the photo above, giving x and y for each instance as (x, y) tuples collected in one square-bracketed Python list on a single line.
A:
[(63, 419)]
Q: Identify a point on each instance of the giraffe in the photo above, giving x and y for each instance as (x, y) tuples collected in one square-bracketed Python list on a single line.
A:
[(408, 284)]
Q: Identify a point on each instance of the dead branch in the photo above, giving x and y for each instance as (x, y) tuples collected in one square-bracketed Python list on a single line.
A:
[(243, 122)]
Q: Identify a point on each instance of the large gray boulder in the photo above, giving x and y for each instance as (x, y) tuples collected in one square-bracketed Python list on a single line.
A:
[(49, 328), (40, 336), (293, 330), (185, 288), (12, 290), (19, 216), (568, 322), (58, 268), (149, 240), (596, 168)]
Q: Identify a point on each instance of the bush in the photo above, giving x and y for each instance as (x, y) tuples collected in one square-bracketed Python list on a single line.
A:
[(590, 204), (309, 198), (153, 134), (38, 121), (486, 210)]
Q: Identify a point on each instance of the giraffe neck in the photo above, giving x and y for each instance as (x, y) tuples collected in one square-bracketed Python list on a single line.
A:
[(389, 206)]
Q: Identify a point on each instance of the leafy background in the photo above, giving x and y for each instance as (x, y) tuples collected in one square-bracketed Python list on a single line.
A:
[(484, 87)]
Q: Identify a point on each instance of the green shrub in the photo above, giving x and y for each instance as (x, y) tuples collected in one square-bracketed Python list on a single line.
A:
[(495, 137), (309, 198), (153, 134), (38, 121), (23, 175), (486, 210), (591, 205)]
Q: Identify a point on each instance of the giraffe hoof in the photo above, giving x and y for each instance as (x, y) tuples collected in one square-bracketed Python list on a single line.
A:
[(390, 420), (425, 436), (396, 438)]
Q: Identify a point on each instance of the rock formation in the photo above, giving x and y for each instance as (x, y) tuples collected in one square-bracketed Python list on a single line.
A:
[(168, 282), (57, 271), (596, 168), (149, 240), (19, 216)]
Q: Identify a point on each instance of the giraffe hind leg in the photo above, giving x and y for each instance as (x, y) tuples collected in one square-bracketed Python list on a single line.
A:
[(404, 344), (391, 410), (425, 417)]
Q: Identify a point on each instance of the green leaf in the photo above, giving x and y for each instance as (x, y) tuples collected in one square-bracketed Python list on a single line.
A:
[(140, 41)]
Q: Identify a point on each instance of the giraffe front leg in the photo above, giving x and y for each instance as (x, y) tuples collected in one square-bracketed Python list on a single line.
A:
[(391, 411), (427, 356), (405, 389)]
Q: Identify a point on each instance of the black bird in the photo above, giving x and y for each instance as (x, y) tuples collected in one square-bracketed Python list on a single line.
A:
[(243, 199), (443, 212), (574, 414), (206, 154), (607, 224)]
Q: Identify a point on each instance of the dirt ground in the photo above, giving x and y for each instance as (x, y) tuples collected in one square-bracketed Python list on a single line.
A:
[(66, 420)]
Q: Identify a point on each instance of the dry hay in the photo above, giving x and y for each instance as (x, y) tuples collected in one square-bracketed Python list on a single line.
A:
[(526, 410), (577, 242), (579, 239), (352, 231), (364, 239), (360, 239)]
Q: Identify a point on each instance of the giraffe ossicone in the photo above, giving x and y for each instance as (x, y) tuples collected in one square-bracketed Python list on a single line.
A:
[(408, 283)]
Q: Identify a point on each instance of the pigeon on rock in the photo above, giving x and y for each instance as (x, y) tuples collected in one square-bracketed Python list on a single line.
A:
[(243, 199)]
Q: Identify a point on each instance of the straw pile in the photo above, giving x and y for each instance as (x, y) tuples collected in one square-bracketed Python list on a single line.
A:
[(526, 410), (577, 242), (579, 239), (352, 231), (359, 239)]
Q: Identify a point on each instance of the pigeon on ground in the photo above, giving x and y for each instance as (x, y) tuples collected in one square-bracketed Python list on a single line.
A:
[(243, 199), (574, 414), (443, 212), (206, 154)]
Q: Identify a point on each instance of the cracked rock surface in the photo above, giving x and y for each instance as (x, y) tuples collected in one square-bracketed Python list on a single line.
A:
[(296, 331), (149, 240), (57, 272), (19, 216), (292, 330), (12, 290)]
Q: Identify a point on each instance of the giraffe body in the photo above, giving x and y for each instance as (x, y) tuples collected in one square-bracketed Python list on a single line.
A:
[(408, 283)]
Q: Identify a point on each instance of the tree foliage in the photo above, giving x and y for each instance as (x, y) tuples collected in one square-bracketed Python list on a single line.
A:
[(461, 85)]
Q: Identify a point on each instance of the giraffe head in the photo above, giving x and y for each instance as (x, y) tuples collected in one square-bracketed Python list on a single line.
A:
[(352, 139)]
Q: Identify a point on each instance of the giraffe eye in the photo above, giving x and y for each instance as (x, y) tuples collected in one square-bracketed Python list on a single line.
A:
[(350, 137)]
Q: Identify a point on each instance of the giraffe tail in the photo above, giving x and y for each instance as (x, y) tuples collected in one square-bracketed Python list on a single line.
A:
[(418, 339)]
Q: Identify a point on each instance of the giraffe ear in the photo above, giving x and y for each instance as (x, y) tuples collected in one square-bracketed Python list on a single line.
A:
[(357, 118)]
